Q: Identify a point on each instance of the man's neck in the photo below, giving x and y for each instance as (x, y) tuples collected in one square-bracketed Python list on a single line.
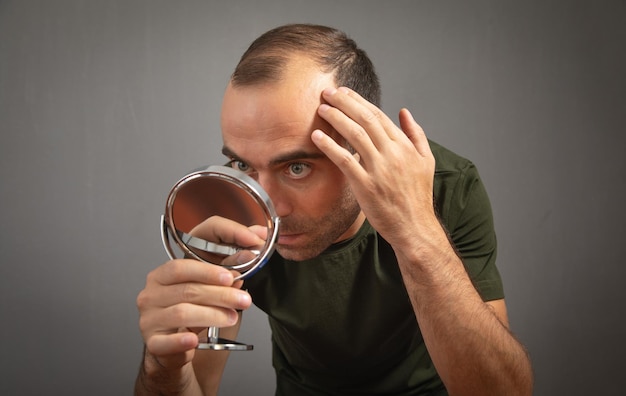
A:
[(353, 229)]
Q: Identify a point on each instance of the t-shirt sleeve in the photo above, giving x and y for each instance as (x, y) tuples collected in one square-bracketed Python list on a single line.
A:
[(469, 220)]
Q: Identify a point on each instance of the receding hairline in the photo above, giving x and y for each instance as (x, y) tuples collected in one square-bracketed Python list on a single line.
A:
[(276, 64)]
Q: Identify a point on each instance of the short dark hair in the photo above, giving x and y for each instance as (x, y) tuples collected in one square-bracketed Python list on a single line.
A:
[(329, 48)]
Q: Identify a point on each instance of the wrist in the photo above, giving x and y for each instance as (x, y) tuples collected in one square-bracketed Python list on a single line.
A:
[(427, 254), (425, 242), (156, 379)]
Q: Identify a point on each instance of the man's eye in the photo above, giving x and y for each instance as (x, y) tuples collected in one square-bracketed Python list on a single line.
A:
[(298, 170), (240, 166)]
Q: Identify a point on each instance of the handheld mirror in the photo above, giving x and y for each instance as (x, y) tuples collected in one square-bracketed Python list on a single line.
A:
[(203, 204)]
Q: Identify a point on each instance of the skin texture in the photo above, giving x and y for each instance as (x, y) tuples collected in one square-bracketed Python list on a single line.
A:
[(291, 137)]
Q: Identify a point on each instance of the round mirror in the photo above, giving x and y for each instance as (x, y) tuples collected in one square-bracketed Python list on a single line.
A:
[(204, 210), (213, 198)]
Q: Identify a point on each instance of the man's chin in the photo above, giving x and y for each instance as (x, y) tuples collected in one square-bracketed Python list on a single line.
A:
[(293, 254)]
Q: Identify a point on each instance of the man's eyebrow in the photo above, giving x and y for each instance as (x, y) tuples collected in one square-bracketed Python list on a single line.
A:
[(297, 155), (229, 153), (286, 157)]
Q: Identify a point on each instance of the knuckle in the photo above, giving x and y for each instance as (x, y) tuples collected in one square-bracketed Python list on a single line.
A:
[(143, 300), (357, 133), (226, 297), (370, 117), (151, 277), (345, 159), (179, 314), (189, 292), (219, 317), (174, 269), (143, 324)]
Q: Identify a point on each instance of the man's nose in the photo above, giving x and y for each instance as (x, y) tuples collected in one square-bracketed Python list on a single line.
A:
[(276, 193)]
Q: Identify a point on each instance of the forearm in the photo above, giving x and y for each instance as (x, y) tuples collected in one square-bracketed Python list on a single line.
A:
[(154, 379), (473, 351)]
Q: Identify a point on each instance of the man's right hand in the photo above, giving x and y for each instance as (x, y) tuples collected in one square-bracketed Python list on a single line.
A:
[(181, 298)]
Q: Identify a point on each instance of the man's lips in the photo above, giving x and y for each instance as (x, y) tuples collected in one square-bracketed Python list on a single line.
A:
[(288, 239)]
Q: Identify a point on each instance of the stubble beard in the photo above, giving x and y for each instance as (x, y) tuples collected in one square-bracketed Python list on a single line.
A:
[(321, 232)]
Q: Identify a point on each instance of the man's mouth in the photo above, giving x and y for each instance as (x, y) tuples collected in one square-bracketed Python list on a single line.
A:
[(288, 239)]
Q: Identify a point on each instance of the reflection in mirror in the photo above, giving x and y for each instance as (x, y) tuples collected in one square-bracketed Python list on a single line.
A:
[(203, 214)]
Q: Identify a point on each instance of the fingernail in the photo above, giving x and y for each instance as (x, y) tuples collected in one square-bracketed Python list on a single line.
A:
[(410, 114), (233, 317), (226, 278), (244, 299), (317, 135), (330, 91), (324, 107)]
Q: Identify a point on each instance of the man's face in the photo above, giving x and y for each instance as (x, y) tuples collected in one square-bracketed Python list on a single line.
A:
[(267, 133)]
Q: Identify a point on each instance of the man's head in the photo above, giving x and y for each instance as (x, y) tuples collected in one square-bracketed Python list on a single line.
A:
[(268, 114), (331, 49)]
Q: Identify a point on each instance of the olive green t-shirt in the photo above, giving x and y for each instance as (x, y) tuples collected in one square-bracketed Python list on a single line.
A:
[(342, 323)]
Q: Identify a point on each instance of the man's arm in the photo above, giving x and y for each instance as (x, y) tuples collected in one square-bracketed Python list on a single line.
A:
[(468, 340), (155, 379), (392, 178)]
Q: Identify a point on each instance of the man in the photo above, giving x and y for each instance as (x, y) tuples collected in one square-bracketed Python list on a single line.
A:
[(384, 280)]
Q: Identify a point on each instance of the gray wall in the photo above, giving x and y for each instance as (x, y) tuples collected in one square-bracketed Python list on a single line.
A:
[(104, 104)]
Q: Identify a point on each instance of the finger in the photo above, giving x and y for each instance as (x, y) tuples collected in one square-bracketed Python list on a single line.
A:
[(222, 230), (171, 350), (195, 293), (414, 132), (260, 231), (168, 320), (374, 121), (356, 136), (186, 270), (347, 162), (238, 259), (362, 139), (238, 281)]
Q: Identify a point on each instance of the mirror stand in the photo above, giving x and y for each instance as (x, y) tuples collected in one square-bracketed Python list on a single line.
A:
[(214, 342)]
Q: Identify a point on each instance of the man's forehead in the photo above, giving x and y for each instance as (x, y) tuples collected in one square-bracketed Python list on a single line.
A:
[(275, 157), (277, 139)]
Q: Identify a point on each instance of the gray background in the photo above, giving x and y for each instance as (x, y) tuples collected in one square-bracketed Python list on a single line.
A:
[(105, 104)]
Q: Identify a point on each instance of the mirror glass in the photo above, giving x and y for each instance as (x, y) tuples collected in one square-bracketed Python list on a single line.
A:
[(210, 200)]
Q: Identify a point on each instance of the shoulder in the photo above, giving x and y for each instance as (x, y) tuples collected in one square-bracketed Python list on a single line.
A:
[(464, 208), (461, 199), (456, 183), (448, 161)]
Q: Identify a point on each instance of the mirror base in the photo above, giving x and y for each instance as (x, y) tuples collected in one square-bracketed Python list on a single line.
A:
[(222, 344)]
